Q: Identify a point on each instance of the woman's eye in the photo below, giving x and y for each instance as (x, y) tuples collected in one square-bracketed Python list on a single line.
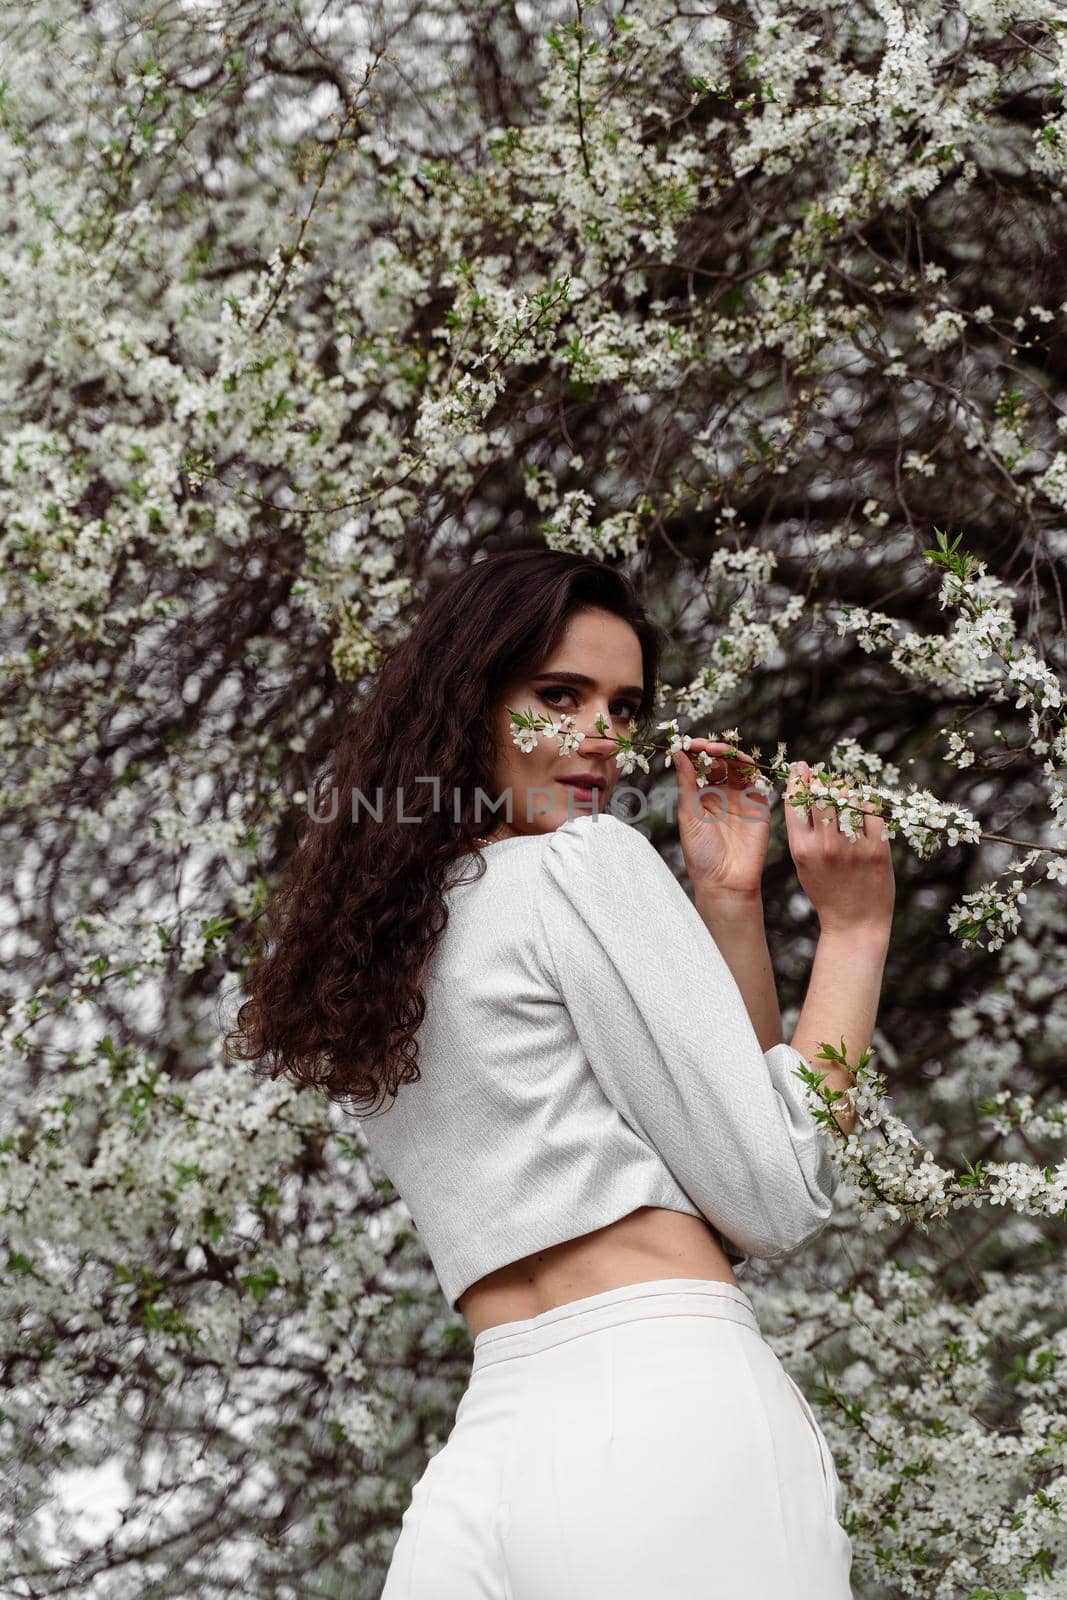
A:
[(627, 714)]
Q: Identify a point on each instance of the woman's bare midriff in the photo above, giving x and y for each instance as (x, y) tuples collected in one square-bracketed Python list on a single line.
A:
[(648, 1243)]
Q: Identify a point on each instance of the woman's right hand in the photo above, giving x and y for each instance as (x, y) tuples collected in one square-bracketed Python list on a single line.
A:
[(850, 882)]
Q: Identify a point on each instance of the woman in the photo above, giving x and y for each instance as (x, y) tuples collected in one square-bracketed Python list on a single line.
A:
[(599, 1111)]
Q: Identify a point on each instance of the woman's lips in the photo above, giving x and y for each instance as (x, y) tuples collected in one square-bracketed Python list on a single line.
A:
[(583, 791)]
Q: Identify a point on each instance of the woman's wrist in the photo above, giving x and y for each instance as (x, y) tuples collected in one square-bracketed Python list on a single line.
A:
[(867, 936), (727, 905)]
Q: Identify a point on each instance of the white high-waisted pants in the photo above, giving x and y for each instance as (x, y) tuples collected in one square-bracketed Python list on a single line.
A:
[(645, 1443)]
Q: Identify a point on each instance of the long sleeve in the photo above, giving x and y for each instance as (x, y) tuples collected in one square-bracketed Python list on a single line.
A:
[(664, 1028)]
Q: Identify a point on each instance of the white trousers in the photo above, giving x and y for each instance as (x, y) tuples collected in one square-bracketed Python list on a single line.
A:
[(645, 1443)]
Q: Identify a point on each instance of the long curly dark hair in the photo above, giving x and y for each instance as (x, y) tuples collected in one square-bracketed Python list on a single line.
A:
[(337, 1002)]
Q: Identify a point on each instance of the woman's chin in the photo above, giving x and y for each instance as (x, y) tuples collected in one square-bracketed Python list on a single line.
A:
[(579, 804)]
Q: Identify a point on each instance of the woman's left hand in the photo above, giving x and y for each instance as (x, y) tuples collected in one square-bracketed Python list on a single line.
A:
[(723, 830)]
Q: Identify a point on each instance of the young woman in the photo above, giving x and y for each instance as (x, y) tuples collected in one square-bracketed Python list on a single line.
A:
[(575, 1077)]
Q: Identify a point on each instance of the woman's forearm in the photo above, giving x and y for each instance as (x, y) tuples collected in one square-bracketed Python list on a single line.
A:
[(843, 990), (842, 1003), (738, 929)]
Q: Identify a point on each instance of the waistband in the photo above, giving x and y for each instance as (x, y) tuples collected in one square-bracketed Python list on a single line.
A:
[(660, 1297)]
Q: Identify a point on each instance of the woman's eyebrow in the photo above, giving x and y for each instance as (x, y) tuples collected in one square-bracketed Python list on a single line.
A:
[(580, 680)]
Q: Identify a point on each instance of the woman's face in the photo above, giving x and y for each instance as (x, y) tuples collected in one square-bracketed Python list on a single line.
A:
[(605, 650)]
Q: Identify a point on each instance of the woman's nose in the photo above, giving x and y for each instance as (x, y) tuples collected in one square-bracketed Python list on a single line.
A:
[(604, 743)]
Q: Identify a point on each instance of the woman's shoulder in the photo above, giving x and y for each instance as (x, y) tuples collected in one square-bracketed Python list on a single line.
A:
[(601, 831), (596, 849), (600, 847)]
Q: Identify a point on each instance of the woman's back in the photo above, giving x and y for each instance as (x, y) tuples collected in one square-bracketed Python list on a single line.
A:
[(586, 1055)]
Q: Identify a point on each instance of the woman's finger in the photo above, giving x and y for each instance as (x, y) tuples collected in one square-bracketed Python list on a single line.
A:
[(797, 818), (864, 817), (725, 768), (714, 768), (823, 815)]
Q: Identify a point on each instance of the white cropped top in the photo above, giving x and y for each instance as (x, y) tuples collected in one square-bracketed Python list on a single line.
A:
[(586, 1051)]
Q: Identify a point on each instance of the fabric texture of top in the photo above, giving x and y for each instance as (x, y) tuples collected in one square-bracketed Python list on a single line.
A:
[(586, 1051)]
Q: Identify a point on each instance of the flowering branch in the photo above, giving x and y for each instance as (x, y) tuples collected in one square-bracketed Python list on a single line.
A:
[(894, 1188), (920, 815)]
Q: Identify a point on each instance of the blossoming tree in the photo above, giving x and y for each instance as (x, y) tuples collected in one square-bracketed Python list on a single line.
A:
[(301, 308)]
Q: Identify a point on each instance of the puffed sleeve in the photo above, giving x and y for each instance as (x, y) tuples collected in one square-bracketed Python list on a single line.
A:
[(664, 1028)]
